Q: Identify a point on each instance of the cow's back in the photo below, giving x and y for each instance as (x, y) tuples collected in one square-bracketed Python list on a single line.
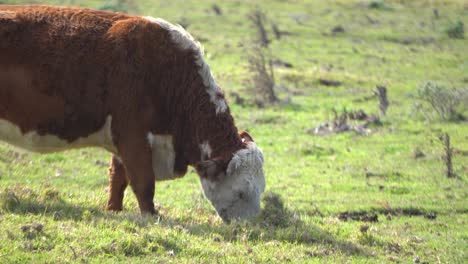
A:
[(53, 75)]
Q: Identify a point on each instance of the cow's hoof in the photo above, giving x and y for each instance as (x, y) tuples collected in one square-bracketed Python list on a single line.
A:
[(113, 208)]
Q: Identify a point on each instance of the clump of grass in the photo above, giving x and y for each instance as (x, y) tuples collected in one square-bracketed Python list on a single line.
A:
[(447, 103), (456, 30), (274, 212), (9, 200), (370, 239), (50, 194), (262, 80)]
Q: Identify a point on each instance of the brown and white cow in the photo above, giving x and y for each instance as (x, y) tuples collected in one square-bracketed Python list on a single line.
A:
[(136, 86)]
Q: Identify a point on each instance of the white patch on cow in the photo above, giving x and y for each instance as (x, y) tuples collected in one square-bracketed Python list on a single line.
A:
[(205, 151), (163, 156), (185, 41), (32, 141), (236, 195), (150, 139)]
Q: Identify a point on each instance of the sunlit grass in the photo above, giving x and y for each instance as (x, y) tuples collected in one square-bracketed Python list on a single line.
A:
[(52, 206)]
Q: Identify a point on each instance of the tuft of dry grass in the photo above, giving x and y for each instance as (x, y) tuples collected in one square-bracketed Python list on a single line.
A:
[(262, 79), (274, 212), (8, 200)]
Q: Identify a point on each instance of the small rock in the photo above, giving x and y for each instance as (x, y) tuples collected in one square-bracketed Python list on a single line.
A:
[(337, 29)]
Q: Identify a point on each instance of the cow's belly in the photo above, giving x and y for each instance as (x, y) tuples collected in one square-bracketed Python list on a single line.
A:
[(31, 140), (163, 157)]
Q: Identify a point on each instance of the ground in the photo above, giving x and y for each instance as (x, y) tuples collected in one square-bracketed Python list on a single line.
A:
[(348, 197)]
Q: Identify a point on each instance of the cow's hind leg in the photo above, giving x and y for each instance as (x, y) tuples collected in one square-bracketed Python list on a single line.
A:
[(117, 183)]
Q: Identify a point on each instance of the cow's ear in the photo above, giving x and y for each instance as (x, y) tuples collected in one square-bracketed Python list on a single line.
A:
[(246, 137), (212, 169)]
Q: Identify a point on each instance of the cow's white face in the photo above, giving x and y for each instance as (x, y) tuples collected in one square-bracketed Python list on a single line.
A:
[(235, 191)]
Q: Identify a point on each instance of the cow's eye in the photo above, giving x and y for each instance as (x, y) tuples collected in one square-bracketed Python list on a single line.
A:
[(241, 195)]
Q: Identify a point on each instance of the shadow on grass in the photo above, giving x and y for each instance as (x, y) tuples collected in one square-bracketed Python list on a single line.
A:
[(23, 200), (274, 225), (296, 233)]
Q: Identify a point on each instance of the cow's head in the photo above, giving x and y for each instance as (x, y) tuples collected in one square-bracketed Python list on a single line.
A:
[(234, 186)]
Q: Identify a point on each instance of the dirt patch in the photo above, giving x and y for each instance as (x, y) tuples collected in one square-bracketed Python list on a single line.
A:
[(372, 215), (359, 216), (408, 212)]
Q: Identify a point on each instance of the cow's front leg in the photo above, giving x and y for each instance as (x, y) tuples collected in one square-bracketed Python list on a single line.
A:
[(136, 156), (117, 184)]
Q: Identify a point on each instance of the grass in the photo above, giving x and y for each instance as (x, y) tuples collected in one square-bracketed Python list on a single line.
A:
[(52, 206)]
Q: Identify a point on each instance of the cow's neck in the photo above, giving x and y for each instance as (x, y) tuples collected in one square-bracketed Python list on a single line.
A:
[(203, 125), (219, 138), (212, 135)]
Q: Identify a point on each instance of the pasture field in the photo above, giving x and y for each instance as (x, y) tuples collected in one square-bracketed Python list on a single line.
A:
[(381, 197)]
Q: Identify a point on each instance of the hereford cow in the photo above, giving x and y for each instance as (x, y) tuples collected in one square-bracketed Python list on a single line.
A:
[(136, 86)]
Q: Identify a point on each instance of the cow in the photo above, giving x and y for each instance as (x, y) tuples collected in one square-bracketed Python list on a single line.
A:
[(136, 86)]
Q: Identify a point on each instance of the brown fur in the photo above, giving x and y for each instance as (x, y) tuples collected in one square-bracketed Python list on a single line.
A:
[(64, 70)]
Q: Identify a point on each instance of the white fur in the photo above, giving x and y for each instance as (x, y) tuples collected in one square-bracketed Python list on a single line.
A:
[(250, 157), (163, 156), (205, 150), (237, 194), (32, 141), (185, 41)]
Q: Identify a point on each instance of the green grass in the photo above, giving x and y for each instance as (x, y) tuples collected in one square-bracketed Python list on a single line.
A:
[(52, 206)]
